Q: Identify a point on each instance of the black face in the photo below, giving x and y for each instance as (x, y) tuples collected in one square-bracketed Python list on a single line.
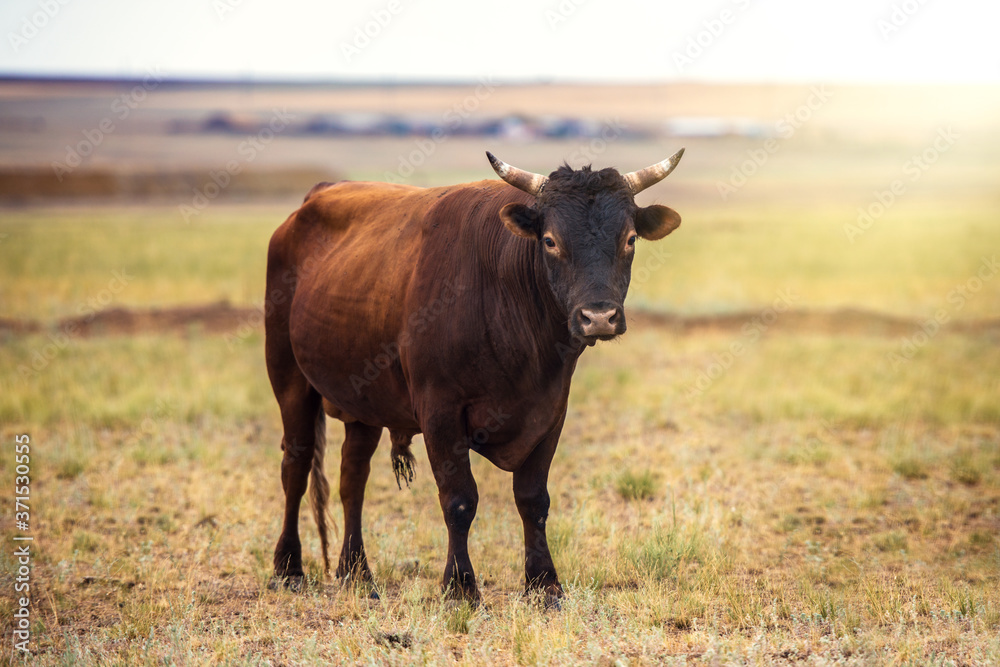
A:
[(586, 224), (588, 241)]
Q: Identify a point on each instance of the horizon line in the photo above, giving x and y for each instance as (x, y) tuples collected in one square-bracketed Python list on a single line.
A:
[(290, 81)]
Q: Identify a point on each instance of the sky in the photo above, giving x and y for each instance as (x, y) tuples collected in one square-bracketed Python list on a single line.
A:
[(608, 41)]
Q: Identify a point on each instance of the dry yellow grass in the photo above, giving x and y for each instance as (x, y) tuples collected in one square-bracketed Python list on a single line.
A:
[(761, 535)]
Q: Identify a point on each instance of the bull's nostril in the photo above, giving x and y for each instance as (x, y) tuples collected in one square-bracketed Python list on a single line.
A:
[(599, 322)]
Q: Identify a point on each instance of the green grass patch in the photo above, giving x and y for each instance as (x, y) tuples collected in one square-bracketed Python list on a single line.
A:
[(632, 485), (659, 554)]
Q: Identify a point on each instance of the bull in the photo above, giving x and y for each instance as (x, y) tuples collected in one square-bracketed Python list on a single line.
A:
[(457, 312)]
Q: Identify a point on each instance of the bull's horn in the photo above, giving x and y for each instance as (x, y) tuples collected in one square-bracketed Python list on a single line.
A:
[(530, 182), (642, 179)]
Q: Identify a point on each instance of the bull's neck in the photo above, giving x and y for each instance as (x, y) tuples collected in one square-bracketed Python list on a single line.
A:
[(536, 314)]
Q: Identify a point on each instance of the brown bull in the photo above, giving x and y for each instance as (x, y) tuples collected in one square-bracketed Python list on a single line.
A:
[(457, 312)]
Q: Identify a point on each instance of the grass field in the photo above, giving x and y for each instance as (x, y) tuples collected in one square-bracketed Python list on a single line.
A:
[(816, 499), (741, 492)]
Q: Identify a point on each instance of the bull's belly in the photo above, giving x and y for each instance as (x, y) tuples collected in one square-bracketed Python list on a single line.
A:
[(379, 401), (356, 371)]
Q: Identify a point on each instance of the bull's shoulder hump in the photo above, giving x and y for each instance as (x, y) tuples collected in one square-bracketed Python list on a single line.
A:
[(456, 204)]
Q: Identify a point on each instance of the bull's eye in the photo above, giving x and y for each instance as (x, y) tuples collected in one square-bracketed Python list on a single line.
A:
[(631, 240), (549, 243)]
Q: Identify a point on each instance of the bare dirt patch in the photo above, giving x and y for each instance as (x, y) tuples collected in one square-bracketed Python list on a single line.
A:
[(212, 318)]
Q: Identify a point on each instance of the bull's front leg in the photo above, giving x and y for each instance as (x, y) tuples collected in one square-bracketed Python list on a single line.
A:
[(448, 452), (532, 498)]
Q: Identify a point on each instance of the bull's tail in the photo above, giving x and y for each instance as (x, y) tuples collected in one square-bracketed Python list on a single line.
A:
[(319, 488)]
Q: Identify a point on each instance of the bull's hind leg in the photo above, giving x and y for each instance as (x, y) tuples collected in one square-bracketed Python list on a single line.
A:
[(355, 464), (304, 423), (304, 429)]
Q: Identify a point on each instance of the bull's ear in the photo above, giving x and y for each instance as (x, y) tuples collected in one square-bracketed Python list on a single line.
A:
[(654, 222), (522, 220)]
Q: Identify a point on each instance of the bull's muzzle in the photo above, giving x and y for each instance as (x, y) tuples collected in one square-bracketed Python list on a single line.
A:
[(601, 321)]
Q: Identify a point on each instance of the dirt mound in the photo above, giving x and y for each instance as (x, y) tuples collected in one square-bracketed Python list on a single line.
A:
[(212, 318), (224, 318)]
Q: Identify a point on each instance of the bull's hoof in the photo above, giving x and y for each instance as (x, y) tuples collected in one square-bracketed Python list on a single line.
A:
[(362, 583), (354, 568), (458, 593), (549, 597), (356, 575), (453, 604), (294, 583)]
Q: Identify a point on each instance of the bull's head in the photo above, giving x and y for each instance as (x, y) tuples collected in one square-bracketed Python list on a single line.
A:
[(586, 223)]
